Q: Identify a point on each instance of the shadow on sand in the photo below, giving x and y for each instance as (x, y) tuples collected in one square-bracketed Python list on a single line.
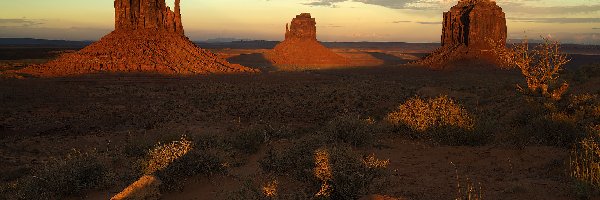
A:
[(388, 59), (253, 60)]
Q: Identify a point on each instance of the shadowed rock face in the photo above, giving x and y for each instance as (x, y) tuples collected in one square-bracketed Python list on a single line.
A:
[(472, 23), (301, 50), (467, 30), (148, 37), (147, 14), (303, 27)]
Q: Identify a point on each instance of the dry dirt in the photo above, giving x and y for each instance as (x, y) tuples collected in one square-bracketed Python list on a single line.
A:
[(45, 118)]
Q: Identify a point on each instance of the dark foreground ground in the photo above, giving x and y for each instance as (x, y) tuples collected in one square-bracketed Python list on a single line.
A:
[(247, 128)]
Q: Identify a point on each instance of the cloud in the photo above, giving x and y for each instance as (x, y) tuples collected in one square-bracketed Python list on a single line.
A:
[(394, 4), (525, 7), (398, 22), (72, 33), (549, 10), (330, 3), (557, 20), (20, 22), (429, 23)]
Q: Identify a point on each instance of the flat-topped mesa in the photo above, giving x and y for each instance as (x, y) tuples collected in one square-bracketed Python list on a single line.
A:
[(147, 14), (473, 23), (303, 27)]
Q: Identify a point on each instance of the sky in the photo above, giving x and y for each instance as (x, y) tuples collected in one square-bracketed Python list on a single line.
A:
[(570, 21)]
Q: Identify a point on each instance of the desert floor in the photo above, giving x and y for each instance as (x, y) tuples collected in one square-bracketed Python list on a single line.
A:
[(240, 120)]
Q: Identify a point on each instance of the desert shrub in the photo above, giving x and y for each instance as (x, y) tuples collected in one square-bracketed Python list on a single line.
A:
[(195, 163), (178, 160), (331, 173), (585, 161), (351, 129), (60, 178), (562, 123), (440, 119), (250, 139), (351, 176), (554, 129), (422, 115), (539, 65), (294, 159), (162, 156)]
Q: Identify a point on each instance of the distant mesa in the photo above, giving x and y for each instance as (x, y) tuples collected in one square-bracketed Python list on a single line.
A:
[(467, 31), (301, 50), (148, 37)]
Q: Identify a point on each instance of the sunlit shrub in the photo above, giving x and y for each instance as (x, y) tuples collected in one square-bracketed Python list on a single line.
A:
[(323, 172), (440, 119), (539, 65), (270, 189), (161, 156), (422, 115)]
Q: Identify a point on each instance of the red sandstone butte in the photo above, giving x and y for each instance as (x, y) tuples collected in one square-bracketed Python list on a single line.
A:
[(467, 31), (300, 49), (148, 37)]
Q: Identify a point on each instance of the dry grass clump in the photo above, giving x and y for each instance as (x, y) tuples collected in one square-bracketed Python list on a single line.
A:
[(585, 161), (161, 156), (468, 190), (422, 115), (373, 163)]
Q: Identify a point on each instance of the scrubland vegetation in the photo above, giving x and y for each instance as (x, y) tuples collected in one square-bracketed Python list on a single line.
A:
[(321, 138)]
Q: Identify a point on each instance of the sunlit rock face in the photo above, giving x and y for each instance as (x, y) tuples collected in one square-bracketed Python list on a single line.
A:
[(301, 50), (147, 14), (472, 23), (148, 37), (470, 30), (303, 27)]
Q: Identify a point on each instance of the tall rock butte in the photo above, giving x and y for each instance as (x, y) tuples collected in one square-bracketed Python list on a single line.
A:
[(301, 50), (467, 31), (148, 37)]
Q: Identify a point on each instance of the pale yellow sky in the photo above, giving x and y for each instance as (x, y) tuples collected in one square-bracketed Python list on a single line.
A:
[(337, 20)]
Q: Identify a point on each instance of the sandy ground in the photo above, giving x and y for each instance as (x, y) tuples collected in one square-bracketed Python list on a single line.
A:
[(45, 118)]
